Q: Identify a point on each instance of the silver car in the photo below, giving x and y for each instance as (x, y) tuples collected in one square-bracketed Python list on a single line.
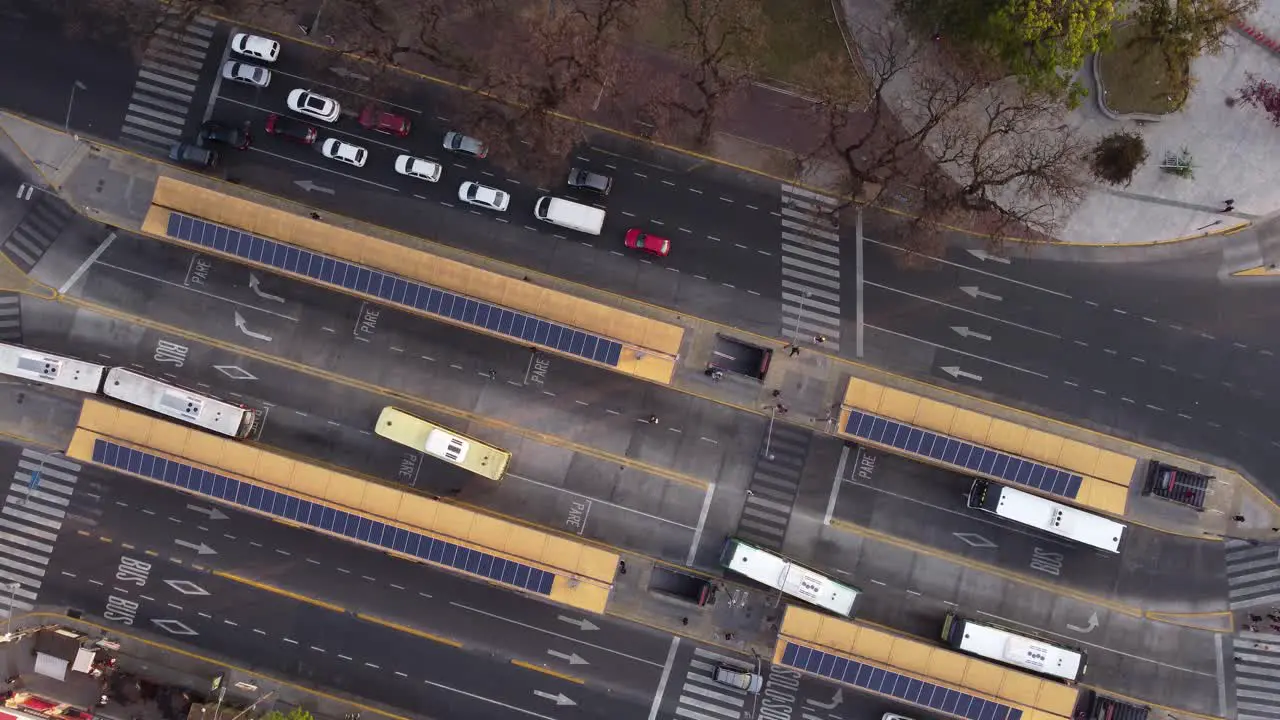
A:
[(237, 71), (464, 144)]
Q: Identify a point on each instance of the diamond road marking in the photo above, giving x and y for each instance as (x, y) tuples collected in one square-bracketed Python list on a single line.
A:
[(235, 372), (186, 587), (174, 627), (975, 540)]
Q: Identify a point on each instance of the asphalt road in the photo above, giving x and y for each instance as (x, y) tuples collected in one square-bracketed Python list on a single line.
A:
[(928, 505), (137, 554)]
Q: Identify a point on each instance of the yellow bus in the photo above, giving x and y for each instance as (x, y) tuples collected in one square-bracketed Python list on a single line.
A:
[(440, 442)]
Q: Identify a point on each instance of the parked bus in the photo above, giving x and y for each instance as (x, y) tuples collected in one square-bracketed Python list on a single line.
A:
[(995, 643), (128, 386), (43, 367), (1044, 514), (791, 578), (440, 442), (179, 403)]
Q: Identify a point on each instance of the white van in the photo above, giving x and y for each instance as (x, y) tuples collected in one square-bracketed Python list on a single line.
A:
[(567, 213)]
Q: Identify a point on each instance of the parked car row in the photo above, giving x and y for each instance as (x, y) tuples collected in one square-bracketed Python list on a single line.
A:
[(372, 117)]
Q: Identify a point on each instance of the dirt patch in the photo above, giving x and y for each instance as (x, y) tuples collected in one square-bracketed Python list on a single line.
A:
[(1137, 79)]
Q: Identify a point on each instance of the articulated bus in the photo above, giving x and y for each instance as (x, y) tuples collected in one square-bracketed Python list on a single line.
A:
[(1045, 514), (132, 387), (464, 451), (995, 643), (791, 578)]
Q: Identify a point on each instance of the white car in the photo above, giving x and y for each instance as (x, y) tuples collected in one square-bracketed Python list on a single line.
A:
[(484, 196), (418, 168), (335, 149), (254, 46), (237, 71), (317, 106)]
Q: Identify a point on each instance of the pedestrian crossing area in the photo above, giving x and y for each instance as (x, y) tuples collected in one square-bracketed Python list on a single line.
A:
[(810, 267), (10, 318), (702, 698), (166, 84), (44, 222), (1257, 675), (771, 495), (33, 512), (1253, 574)]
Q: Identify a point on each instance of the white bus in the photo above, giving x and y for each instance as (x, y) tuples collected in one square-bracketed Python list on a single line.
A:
[(188, 406), (43, 367), (1045, 514), (995, 643), (791, 578), (440, 442)]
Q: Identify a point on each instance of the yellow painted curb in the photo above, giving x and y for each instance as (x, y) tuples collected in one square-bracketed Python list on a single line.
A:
[(548, 671), (278, 591), (409, 630)]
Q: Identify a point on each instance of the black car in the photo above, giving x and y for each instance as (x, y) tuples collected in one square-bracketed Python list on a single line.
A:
[(587, 180), (216, 132), (290, 129), (193, 155)]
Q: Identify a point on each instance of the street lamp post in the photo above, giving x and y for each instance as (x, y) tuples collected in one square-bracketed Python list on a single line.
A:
[(77, 85), (769, 435), (795, 335), (8, 618)]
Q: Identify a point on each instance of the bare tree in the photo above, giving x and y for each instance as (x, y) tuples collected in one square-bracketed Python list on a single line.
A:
[(721, 42)]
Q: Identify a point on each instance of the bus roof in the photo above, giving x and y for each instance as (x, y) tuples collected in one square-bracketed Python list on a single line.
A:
[(1030, 653), (1064, 520), (763, 567)]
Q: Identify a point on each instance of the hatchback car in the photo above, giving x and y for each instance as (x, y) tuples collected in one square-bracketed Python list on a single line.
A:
[(638, 239), (464, 144), (255, 46), (371, 118), (738, 678), (484, 196), (193, 155), (222, 134), (237, 71), (418, 168), (587, 180), (291, 129), (335, 149), (317, 106)]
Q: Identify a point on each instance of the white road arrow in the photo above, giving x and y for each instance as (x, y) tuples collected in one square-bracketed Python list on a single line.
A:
[(1093, 623), (583, 624), (200, 549), (965, 332), (211, 513), (253, 285), (957, 373), (560, 699), (573, 659), (984, 256), (973, 292), (312, 187), (257, 336)]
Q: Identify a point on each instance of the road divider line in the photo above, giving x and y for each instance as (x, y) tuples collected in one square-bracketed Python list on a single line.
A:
[(409, 630), (548, 671), (278, 591)]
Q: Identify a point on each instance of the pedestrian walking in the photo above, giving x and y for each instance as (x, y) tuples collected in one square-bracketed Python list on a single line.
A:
[(622, 567), (782, 409), (776, 392), (1228, 205), (653, 419), (819, 339), (728, 636), (315, 216), (1237, 658), (795, 350), (684, 621), (1255, 618), (493, 374), (1238, 518)]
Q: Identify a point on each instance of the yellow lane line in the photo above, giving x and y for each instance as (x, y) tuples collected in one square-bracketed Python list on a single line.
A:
[(409, 630), (116, 631), (548, 671), (386, 392), (278, 591)]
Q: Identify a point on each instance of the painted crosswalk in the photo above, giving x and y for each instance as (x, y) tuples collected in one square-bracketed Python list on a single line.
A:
[(1253, 574), (33, 512), (1257, 675), (810, 267), (772, 492), (166, 84), (10, 317), (702, 698), (46, 218)]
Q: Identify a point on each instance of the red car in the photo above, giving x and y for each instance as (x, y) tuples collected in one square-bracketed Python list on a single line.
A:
[(638, 239), (371, 118), (289, 128)]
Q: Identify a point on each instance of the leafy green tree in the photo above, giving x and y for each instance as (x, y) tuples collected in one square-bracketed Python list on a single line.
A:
[(1182, 30), (1117, 156), (296, 713)]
